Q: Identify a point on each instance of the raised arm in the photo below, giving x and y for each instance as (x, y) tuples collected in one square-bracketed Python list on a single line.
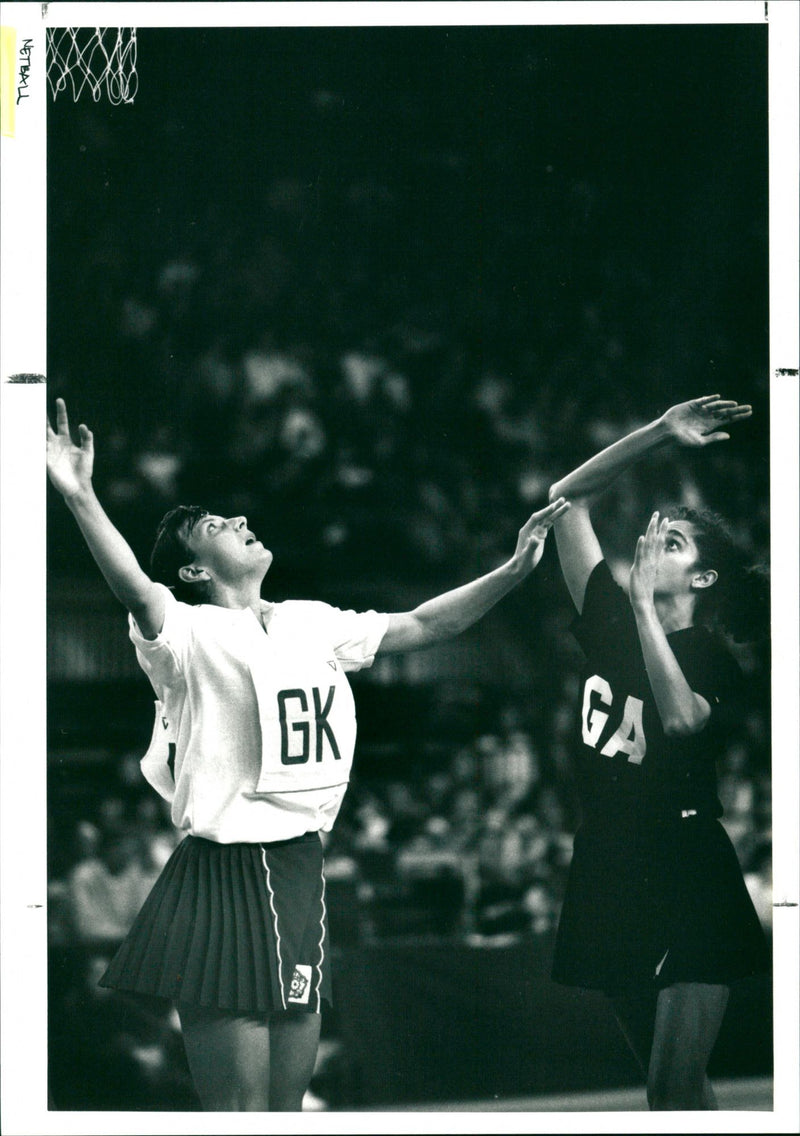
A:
[(698, 422), (680, 709), (452, 612), (69, 468)]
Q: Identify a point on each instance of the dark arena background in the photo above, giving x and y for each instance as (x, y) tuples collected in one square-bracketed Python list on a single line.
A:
[(376, 288)]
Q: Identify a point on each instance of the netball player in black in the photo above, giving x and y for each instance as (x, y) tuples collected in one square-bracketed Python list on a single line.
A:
[(656, 912)]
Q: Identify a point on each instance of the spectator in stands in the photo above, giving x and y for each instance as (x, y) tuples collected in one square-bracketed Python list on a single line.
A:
[(106, 890)]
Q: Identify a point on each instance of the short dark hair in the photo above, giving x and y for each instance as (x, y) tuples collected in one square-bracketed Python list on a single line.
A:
[(739, 601), (171, 552)]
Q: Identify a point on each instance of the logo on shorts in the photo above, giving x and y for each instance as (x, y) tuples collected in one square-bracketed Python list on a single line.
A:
[(301, 984)]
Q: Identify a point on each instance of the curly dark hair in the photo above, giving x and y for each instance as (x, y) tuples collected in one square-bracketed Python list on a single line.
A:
[(738, 604), (171, 552)]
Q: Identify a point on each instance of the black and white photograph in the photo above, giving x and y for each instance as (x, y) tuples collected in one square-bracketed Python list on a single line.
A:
[(399, 567)]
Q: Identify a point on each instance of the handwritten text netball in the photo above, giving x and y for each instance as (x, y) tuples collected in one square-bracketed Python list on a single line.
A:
[(24, 69)]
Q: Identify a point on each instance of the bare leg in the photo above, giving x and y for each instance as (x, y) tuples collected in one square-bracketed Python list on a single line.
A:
[(228, 1058), (688, 1020), (294, 1039), (249, 1064), (672, 1034), (636, 1015)]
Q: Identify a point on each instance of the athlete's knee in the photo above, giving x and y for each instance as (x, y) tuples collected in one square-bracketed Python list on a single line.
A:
[(677, 1101), (245, 1097), (237, 1094), (294, 1040), (253, 1097), (674, 1079), (286, 1092), (232, 1098), (287, 1100), (241, 1100)]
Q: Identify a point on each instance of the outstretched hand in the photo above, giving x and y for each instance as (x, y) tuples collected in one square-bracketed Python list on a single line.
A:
[(532, 535), (69, 467), (649, 550), (703, 420)]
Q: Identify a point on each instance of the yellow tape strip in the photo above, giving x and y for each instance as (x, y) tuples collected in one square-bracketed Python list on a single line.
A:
[(8, 71)]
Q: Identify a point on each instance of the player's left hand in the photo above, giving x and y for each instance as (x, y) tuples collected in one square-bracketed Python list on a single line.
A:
[(532, 535), (704, 420), (649, 550)]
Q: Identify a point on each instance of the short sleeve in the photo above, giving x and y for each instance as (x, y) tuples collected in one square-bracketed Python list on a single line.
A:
[(162, 658), (356, 636), (606, 617)]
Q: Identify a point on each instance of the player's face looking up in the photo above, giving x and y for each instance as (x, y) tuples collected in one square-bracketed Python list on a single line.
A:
[(680, 571), (226, 548)]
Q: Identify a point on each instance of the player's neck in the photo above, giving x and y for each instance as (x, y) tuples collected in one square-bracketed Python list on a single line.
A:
[(675, 612), (246, 593)]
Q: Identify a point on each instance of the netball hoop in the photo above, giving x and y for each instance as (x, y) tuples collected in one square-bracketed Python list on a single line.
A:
[(100, 59)]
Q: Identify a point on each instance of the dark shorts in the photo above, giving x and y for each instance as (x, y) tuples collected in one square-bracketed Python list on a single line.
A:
[(241, 927), (653, 903)]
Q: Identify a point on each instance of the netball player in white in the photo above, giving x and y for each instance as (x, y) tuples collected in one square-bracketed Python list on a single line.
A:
[(252, 744)]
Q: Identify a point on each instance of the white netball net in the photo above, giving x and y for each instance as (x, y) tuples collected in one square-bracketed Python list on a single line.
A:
[(102, 60)]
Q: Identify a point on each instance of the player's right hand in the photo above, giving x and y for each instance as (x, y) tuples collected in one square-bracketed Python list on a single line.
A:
[(702, 420), (532, 535), (69, 467)]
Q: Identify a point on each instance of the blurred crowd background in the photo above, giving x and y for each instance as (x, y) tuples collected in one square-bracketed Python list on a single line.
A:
[(376, 289)]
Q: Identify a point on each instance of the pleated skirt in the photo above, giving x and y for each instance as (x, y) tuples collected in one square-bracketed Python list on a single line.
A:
[(650, 904), (240, 927)]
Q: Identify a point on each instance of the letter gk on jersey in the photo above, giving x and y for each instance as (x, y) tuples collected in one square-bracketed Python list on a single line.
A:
[(294, 731)]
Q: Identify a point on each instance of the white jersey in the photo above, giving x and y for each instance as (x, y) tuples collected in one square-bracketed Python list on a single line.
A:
[(254, 732)]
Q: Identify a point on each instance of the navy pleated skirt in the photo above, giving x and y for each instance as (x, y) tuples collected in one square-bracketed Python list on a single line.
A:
[(650, 904), (240, 927)]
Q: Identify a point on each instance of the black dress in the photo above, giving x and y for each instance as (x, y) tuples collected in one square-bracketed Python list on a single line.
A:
[(655, 893)]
